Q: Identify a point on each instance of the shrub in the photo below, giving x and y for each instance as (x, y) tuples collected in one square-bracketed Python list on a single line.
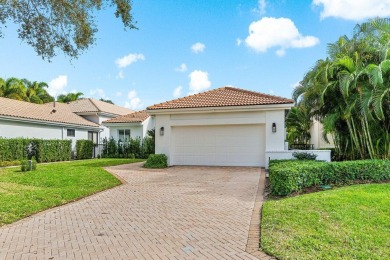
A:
[(156, 161), (9, 163), (17, 149), (28, 165), (84, 149), (294, 176), (304, 156)]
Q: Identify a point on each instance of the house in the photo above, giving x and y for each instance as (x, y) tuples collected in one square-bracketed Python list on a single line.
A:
[(46, 121), (80, 119), (222, 127), (133, 125), (98, 111)]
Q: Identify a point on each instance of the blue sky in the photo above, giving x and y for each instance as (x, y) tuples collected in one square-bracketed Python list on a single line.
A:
[(190, 46)]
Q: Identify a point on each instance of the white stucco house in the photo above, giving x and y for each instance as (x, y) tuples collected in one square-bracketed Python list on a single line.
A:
[(76, 120), (134, 125), (316, 137), (222, 127)]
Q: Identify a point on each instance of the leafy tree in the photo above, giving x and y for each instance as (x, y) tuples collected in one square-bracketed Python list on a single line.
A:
[(349, 92), (36, 92), (13, 88), (69, 97), (68, 26), (298, 125), (107, 101)]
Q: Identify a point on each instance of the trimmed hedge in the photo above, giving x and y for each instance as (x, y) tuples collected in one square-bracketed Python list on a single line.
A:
[(84, 149), (15, 149), (291, 176), (156, 161)]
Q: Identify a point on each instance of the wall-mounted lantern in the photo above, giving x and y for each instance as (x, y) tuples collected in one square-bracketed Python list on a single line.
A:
[(162, 131), (273, 127)]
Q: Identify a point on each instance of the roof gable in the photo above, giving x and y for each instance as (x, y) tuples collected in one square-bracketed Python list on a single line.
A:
[(136, 117), (222, 97), (57, 112), (86, 105)]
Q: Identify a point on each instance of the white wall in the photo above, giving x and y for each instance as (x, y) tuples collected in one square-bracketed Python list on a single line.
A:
[(274, 141), (322, 155), (316, 137), (12, 129)]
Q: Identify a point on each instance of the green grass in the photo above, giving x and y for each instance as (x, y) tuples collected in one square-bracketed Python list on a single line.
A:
[(25, 193), (345, 223)]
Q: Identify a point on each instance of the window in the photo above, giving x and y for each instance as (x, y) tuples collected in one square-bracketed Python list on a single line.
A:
[(71, 132), (124, 135), (93, 136)]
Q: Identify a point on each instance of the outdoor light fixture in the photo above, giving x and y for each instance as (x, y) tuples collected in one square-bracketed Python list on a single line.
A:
[(162, 131), (273, 127)]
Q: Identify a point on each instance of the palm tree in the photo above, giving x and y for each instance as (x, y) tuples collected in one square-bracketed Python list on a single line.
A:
[(36, 92), (13, 88), (69, 97)]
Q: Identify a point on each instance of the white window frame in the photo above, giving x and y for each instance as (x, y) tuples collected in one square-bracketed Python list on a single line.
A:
[(124, 135)]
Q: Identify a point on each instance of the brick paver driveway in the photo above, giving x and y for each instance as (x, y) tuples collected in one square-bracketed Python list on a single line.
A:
[(178, 213)]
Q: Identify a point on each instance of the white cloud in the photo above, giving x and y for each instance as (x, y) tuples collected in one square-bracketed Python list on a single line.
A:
[(354, 9), (177, 91), (120, 75), (198, 47), (199, 81), (261, 6), (129, 59), (271, 32), (182, 68), (134, 102), (98, 92), (238, 41), (58, 85)]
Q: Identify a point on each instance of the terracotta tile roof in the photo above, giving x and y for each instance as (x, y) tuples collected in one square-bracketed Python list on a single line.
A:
[(41, 112), (136, 117), (222, 97), (92, 105)]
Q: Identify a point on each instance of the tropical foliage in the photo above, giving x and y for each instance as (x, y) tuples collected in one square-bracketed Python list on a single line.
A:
[(66, 98), (25, 90), (349, 92), (298, 123)]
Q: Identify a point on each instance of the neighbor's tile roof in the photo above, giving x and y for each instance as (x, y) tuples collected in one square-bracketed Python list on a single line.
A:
[(222, 97), (136, 117), (92, 105), (41, 112)]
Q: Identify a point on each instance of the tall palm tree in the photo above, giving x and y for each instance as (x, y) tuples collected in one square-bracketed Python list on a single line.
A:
[(13, 88), (36, 92)]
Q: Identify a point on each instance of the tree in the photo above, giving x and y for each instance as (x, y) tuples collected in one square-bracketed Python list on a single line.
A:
[(298, 125), (13, 88), (36, 92), (68, 26), (69, 97), (107, 101)]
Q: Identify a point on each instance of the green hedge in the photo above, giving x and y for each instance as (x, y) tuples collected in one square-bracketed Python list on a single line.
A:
[(15, 149), (84, 149), (156, 161), (287, 177)]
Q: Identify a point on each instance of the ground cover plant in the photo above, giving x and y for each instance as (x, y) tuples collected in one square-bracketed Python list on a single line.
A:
[(344, 223), (156, 161), (25, 193)]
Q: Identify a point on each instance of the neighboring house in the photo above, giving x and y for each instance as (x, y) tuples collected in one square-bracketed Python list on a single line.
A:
[(222, 127), (133, 125), (317, 138), (46, 121), (98, 111)]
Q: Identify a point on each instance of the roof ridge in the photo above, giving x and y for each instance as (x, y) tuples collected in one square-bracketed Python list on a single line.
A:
[(93, 103), (254, 92)]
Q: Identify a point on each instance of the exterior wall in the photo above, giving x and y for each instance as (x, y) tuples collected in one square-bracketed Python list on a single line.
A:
[(98, 119), (13, 129), (322, 155), (136, 129), (274, 141), (316, 137)]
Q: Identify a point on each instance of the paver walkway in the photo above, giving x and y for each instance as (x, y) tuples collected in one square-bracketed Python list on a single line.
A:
[(178, 213)]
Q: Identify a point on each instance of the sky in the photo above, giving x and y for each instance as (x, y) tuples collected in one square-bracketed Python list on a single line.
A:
[(189, 46)]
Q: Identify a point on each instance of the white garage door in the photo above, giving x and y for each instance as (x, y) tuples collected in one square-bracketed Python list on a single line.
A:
[(227, 145)]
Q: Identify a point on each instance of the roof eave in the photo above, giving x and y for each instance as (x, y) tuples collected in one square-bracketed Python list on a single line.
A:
[(220, 109), (44, 122)]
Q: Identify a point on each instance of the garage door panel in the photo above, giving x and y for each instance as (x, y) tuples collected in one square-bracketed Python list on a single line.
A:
[(228, 145)]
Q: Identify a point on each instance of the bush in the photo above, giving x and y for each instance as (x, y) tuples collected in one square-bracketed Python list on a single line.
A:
[(156, 161), (9, 163), (25, 165), (293, 176), (17, 149), (304, 156), (84, 149)]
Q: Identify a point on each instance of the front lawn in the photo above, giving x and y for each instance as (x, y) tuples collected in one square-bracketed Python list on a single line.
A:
[(345, 223), (25, 193)]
